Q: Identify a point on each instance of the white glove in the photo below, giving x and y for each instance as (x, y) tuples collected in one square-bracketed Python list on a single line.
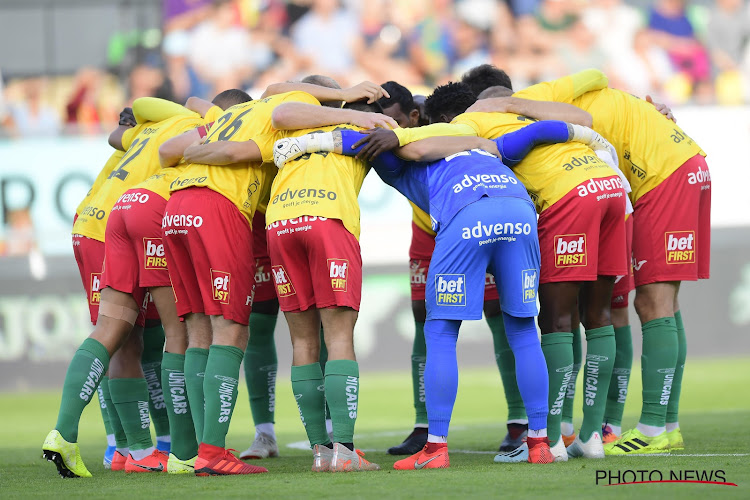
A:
[(607, 158), (593, 140), (291, 148)]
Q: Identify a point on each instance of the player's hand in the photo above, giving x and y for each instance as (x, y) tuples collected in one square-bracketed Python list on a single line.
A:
[(377, 141), (365, 90), (127, 118), (285, 150), (372, 120), (661, 108), (489, 146)]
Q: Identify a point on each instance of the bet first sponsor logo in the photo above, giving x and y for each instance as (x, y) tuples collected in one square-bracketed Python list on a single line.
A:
[(338, 269), (153, 251), (95, 293), (284, 287), (680, 247), (220, 286), (529, 277), (450, 289), (570, 250)]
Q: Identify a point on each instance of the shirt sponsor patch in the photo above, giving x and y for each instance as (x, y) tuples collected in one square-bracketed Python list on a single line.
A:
[(570, 250), (529, 277), (220, 286), (338, 270), (284, 287), (450, 289), (153, 250), (680, 247)]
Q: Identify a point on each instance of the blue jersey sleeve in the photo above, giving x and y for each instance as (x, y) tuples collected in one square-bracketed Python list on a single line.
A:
[(386, 162), (516, 145)]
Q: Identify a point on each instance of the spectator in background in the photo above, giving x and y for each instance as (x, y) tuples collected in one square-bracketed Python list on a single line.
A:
[(222, 53), (82, 110), (578, 51), (641, 69), (148, 81), (31, 116), (728, 35), (432, 47), (180, 17), (673, 32), (614, 25), (470, 38)]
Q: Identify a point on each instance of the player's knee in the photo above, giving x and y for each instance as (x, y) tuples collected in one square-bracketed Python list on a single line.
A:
[(620, 317), (519, 331), (596, 318)]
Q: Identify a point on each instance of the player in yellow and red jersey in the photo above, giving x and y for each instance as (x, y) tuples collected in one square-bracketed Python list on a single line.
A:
[(671, 238), (213, 280), (581, 202), (116, 319)]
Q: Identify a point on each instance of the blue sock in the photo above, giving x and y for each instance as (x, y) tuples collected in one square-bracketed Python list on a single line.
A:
[(440, 373), (531, 369)]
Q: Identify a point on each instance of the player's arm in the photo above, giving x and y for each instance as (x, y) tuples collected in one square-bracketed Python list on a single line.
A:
[(153, 109), (539, 110), (364, 90), (173, 150), (127, 121), (437, 148), (223, 152), (299, 115), (200, 106)]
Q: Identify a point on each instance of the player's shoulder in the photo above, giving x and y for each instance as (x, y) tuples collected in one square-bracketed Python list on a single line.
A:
[(292, 96)]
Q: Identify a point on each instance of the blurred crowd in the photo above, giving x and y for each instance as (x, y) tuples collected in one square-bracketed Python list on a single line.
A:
[(678, 51)]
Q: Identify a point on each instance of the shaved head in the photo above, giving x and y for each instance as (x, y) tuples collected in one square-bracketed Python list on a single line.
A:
[(496, 91), (324, 81)]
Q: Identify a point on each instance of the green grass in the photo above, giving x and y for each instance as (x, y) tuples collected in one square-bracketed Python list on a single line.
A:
[(715, 419)]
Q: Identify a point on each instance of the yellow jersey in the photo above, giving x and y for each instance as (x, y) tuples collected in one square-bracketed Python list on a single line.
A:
[(242, 183), (103, 174), (321, 184), (139, 162), (650, 146), (421, 219)]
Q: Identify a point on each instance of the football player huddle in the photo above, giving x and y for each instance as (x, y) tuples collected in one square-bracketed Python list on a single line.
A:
[(540, 208)]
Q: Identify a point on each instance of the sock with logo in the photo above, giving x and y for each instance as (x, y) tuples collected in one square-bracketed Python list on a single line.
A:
[(260, 367), (441, 373), (153, 352), (506, 363), (600, 359), (195, 368), (558, 353), (323, 359), (85, 371), (220, 391), (102, 390), (181, 429), (570, 391), (342, 395), (531, 369), (658, 361), (130, 396), (308, 388), (674, 397), (618, 385), (418, 359)]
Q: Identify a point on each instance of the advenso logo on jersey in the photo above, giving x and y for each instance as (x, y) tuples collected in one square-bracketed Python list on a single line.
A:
[(153, 250), (529, 277), (338, 270), (418, 272), (570, 250), (450, 289), (284, 287), (680, 247), (95, 294), (487, 180), (699, 177), (595, 186), (133, 197), (220, 286), (499, 229)]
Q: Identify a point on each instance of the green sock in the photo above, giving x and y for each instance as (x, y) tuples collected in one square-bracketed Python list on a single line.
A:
[(260, 367), (618, 385), (195, 369), (570, 392), (658, 361), (121, 439), (558, 353), (130, 396), (181, 429), (674, 398), (323, 359), (307, 386), (85, 371), (342, 394), (103, 391), (153, 351), (600, 358), (220, 391), (506, 363), (418, 359)]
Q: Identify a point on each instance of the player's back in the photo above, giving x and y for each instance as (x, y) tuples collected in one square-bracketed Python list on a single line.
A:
[(322, 184), (111, 163), (548, 172)]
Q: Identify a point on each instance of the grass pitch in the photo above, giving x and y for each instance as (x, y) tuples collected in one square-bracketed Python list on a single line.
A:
[(715, 420)]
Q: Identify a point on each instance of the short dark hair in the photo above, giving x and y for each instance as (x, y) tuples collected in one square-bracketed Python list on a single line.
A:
[(230, 97), (362, 105), (450, 99), (485, 76), (399, 95)]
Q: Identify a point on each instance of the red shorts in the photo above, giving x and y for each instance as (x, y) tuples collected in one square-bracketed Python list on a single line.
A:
[(625, 284), (134, 249), (582, 235), (420, 254), (264, 287), (89, 255), (672, 227), (209, 249), (316, 263)]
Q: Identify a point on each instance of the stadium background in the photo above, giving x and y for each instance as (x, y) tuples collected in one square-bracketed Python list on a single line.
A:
[(68, 66)]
